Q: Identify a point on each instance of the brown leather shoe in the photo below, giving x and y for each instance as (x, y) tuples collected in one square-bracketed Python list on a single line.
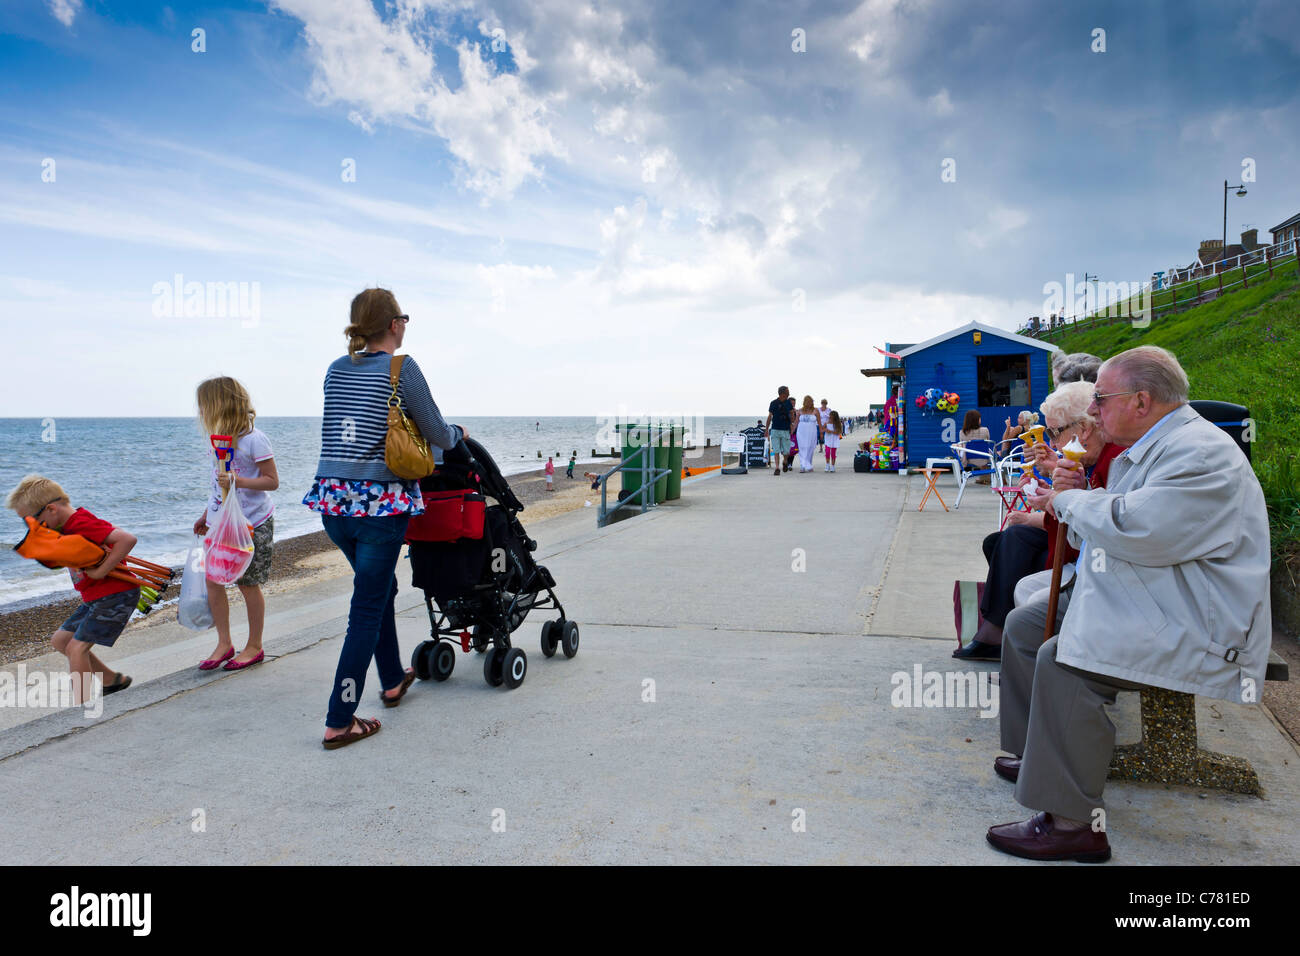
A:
[(1038, 839), (1008, 768)]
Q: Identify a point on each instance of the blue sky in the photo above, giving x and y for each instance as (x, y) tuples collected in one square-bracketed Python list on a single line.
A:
[(616, 205)]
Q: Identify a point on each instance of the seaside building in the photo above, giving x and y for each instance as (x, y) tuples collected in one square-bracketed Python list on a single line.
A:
[(1288, 231), (997, 372)]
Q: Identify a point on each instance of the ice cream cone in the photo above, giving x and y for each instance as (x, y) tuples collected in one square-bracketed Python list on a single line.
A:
[(1075, 450)]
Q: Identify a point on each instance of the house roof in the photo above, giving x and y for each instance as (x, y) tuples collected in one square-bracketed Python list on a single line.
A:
[(1287, 222), (987, 330)]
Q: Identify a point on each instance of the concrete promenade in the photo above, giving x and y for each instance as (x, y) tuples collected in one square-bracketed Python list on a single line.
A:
[(769, 613)]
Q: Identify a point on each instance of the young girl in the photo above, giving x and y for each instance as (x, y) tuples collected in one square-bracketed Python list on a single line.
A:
[(832, 439), (226, 409)]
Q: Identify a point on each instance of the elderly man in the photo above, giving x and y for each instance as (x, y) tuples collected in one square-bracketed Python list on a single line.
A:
[(1170, 590)]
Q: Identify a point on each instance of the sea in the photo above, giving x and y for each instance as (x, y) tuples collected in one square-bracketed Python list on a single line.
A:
[(150, 476)]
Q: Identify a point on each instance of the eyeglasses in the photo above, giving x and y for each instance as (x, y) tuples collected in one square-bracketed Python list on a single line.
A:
[(37, 516), (404, 319), (1055, 433), (1098, 398)]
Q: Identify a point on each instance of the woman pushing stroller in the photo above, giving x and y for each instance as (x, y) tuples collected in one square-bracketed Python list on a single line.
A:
[(353, 482)]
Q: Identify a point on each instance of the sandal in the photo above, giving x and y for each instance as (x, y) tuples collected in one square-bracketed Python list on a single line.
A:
[(402, 688), (368, 727), (121, 683)]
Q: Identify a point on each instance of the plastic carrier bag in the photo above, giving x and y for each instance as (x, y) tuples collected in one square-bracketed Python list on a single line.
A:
[(228, 547), (193, 611)]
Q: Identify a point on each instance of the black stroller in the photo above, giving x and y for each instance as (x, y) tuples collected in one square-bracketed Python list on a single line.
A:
[(474, 561)]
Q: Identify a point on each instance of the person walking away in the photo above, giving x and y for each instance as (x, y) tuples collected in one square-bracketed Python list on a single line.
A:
[(809, 430), (364, 507), (778, 426), (226, 409), (572, 461), (832, 439), (550, 473)]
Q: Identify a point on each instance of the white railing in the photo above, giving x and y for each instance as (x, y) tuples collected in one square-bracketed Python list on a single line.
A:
[(1181, 275)]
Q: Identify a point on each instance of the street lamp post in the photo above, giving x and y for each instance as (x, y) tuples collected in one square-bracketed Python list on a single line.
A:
[(1241, 191)]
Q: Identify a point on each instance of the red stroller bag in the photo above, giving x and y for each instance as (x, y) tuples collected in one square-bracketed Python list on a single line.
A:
[(448, 516)]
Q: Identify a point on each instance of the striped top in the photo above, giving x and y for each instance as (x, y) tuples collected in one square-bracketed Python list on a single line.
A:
[(355, 420)]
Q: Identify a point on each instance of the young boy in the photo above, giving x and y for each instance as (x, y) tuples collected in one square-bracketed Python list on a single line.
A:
[(107, 602), (572, 461)]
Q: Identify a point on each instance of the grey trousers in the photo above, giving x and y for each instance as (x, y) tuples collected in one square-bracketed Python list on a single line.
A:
[(1054, 717)]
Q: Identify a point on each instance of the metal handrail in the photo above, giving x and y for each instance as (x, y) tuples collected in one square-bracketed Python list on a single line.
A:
[(649, 475)]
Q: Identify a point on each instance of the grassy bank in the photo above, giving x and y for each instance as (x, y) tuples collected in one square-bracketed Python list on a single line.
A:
[(1244, 348)]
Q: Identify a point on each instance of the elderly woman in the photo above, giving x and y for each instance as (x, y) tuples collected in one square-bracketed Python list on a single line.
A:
[(1024, 420), (1074, 367), (1027, 543)]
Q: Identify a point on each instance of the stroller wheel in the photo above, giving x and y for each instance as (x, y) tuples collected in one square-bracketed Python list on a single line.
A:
[(492, 662), (514, 667), (442, 660), (549, 638), (569, 638), (421, 660)]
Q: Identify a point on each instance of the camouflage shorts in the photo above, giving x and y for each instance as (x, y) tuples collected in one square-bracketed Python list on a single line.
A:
[(101, 621), (260, 570)]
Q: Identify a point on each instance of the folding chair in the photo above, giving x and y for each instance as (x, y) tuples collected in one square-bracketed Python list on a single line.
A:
[(1009, 468), (977, 449)]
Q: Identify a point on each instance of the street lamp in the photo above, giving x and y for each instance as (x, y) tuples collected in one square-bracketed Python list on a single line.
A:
[(1241, 191)]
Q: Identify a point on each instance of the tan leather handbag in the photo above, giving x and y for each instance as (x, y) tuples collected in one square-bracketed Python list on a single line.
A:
[(406, 453)]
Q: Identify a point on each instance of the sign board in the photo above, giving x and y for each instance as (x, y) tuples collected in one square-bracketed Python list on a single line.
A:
[(733, 444)]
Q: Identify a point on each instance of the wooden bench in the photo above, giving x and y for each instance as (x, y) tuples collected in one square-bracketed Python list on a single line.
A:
[(1169, 753)]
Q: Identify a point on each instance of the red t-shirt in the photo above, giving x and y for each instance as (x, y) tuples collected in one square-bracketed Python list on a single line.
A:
[(1100, 472), (93, 529)]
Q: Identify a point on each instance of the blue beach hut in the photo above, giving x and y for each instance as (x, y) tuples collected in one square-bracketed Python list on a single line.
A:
[(996, 372)]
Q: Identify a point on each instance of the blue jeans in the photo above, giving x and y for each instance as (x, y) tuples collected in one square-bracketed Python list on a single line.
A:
[(372, 546)]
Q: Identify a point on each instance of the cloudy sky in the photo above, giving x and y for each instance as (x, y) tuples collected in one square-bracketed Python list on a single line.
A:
[(666, 206)]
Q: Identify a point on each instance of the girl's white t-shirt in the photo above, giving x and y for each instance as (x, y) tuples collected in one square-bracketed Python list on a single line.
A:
[(249, 450)]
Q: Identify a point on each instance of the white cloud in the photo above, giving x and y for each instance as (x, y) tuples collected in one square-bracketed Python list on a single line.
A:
[(65, 11), (386, 69), (940, 104), (863, 46), (653, 162), (1000, 222)]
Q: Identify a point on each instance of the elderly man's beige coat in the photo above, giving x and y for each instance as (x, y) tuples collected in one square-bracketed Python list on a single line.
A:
[(1178, 594)]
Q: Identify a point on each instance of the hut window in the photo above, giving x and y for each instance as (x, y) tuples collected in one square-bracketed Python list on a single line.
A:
[(1003, 380)]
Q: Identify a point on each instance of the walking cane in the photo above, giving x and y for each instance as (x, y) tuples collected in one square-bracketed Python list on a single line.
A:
[(1057, 560), (1074, 454)]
